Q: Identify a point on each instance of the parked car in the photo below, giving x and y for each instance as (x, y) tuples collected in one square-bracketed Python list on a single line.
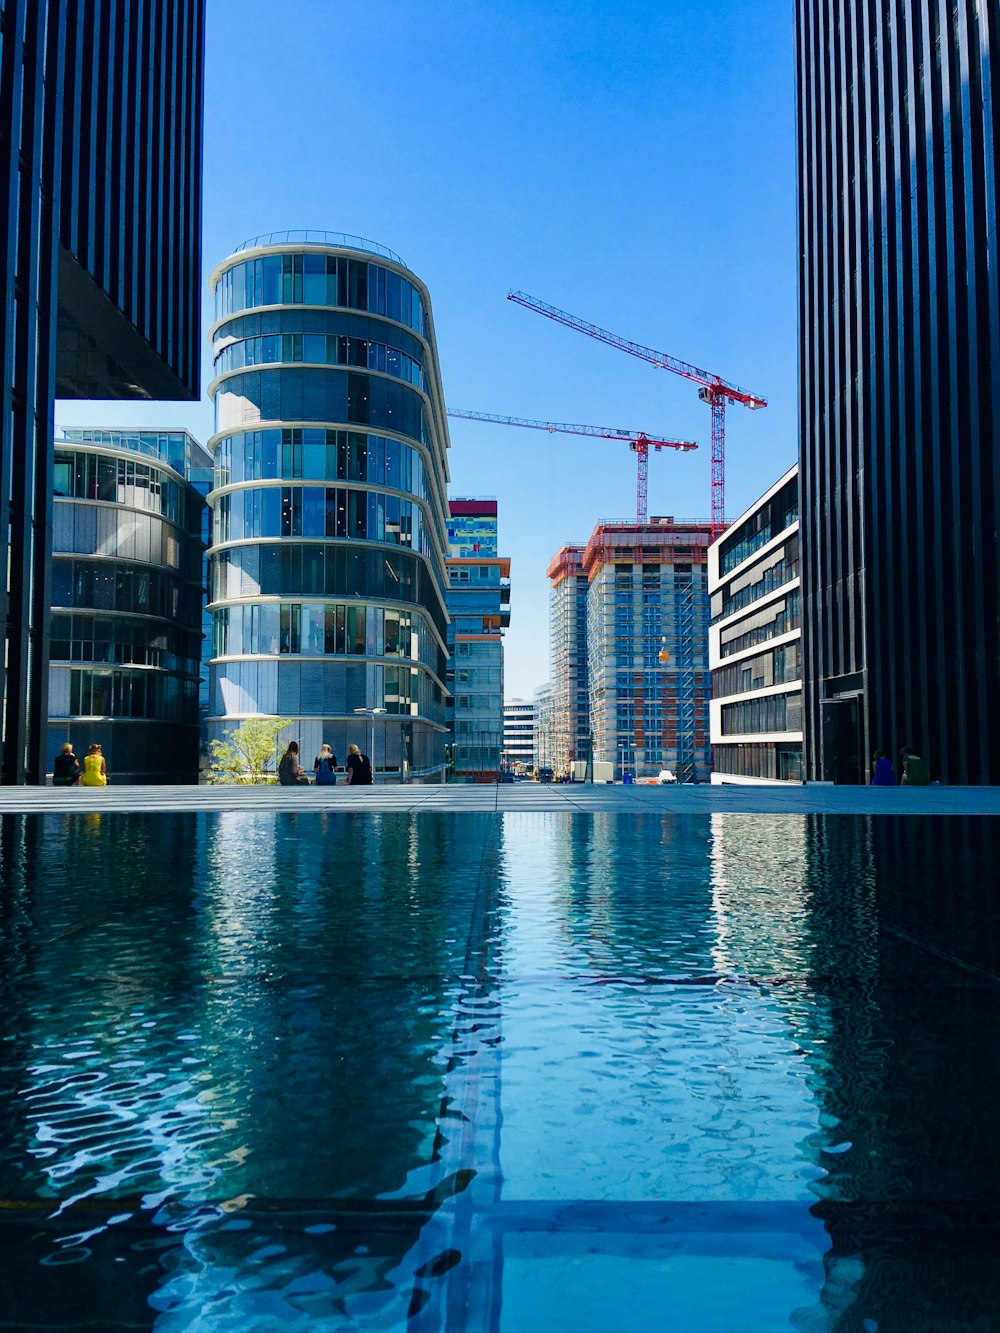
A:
[(666, 776)]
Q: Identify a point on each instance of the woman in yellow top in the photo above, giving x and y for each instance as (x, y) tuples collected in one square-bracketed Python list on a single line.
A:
[(95, 770)]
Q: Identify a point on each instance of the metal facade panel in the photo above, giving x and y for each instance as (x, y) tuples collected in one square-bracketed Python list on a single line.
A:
[(899, 365)]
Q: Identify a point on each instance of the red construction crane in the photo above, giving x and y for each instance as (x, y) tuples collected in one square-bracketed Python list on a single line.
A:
[(638, 441), (713, 390)]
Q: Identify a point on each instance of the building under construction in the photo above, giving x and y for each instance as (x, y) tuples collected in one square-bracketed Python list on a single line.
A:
[(570, 702), (645, 698)]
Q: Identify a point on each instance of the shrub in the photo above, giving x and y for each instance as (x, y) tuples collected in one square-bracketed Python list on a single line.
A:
[(248, 752)]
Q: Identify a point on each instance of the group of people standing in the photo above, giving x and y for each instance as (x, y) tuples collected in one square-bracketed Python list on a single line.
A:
[(358, 768), (913, 770), (67, 772)]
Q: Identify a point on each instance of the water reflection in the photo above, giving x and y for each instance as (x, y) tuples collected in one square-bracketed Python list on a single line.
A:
[(223, 1016), (252, 1073)]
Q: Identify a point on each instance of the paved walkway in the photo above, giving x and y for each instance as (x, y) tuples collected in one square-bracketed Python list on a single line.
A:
[(522, 796)]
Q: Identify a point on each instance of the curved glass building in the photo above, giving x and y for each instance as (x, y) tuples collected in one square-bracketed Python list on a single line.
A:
[(329, 508), (127, 597)]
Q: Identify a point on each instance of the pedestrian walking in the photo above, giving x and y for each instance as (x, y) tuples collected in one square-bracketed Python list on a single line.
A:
[(359, 768), (882, 771)]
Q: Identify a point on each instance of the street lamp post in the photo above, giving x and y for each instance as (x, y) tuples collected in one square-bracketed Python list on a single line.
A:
[(371, 712)]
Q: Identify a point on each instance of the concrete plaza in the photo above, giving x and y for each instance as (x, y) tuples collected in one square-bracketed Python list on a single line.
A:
[(576, 798)]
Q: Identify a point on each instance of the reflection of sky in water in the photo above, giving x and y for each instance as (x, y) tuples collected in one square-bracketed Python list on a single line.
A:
[(679, 1053)]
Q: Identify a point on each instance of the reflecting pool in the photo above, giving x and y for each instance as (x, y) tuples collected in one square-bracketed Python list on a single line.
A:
[(505, 1072)]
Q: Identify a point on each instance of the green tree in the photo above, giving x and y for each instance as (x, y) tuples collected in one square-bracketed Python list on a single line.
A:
[(247, 752)]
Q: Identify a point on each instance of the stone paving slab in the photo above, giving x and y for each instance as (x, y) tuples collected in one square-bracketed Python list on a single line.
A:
[(517, 797)]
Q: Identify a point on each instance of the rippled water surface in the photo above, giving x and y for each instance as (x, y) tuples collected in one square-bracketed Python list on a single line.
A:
[(505, 1072)]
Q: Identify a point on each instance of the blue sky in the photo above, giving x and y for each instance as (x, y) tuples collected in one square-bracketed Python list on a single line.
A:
[(630, 162)]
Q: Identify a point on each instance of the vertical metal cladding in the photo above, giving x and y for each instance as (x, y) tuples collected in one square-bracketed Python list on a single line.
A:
[(100, 257), (899, 381), (329, 511)]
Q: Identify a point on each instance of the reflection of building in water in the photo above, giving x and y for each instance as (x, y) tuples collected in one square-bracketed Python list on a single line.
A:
[(759, 896), (902, 915), (755, 642)]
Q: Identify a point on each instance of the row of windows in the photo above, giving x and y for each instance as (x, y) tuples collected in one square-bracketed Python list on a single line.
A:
[(120, 692), (338, 323), (320, 349), (317, 279), (776, 712), (318, 628), (320, 395), (770, 518), (781, 761), (779, 666), (293, 687), (105, 585), (290, 570), (83, 529), (126, 481), (319, 511), (134, 642), (317, 454), (780, 618), (782, 567)]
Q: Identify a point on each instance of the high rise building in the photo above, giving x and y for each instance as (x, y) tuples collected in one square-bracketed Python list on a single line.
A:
[(899, 313), (479, 608), (329, 511), (128, 582), (647, 647), (630, 619), (568, 653), (544, 726), (755, 641), (100, 256), (519, 735)]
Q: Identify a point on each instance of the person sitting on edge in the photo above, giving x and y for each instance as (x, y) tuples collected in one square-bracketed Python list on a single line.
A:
[(65, 767), (359, 769), (95, 770), (290, 771), (325, 767), (882, 771), (914, 768)]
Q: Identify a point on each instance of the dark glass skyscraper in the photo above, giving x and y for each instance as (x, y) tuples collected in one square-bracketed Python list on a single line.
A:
[(100, 259), (899, 383)]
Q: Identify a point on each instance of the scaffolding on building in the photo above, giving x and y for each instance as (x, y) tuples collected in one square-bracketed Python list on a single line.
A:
[(648, 645)]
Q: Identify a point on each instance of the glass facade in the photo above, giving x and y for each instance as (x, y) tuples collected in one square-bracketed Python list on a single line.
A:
[(899, 319), (755, 642), (127, 588), (328, 539), (100, 261), (479, 606)]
